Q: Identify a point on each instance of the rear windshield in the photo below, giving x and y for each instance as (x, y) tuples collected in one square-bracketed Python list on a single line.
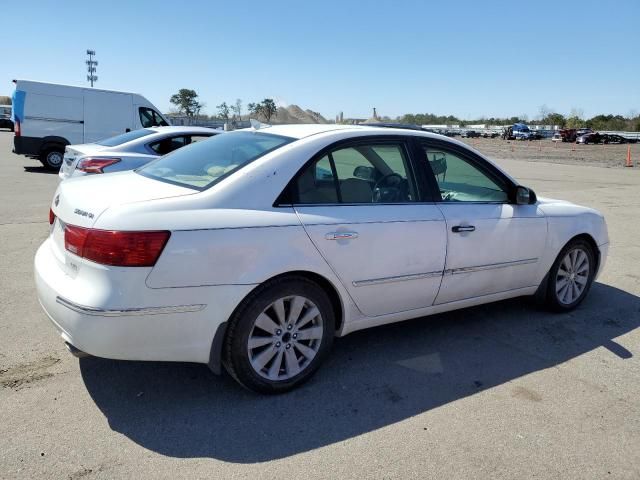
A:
[(124, 138), (202, 164)]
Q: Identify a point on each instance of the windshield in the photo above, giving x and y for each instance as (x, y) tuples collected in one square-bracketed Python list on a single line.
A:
[(202, 164), (124, 138)]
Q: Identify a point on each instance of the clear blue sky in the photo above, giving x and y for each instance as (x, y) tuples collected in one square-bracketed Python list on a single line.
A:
[(467, 58)]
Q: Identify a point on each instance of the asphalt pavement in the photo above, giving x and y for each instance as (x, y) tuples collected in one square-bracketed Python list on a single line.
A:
[(499, 391)]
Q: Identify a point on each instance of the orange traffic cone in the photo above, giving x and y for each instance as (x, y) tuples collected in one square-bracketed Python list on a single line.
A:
[(629, 162)]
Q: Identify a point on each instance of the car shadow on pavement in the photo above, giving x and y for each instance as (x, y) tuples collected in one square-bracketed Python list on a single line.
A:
[(373, 378), (31, 169)]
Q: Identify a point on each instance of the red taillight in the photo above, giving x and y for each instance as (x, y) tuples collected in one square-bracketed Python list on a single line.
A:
[(121, 249), (16, 128), (52, 217), (95, 165)]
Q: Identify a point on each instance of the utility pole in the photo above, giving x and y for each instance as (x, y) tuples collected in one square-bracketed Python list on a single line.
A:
[(91, 67)]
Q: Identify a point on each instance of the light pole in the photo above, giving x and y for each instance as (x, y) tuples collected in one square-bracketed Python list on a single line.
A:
[(91, 67)]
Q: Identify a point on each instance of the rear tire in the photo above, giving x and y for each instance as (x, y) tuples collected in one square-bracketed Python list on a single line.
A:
[(279, 335), (52, 158), (570, 277)]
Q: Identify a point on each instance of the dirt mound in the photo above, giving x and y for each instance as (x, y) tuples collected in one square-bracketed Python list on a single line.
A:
[(295, 114)]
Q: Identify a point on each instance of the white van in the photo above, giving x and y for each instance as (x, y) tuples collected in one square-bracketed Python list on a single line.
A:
[(48, 117)]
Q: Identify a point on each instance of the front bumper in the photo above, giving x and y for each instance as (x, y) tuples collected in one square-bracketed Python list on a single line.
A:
[(141, 323)]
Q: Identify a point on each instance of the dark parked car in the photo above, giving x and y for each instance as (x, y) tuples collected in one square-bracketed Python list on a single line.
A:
[(5, 117), (613, 138), (594, 137)]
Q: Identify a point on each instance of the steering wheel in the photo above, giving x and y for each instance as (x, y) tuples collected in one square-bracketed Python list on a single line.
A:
[(382, 180)]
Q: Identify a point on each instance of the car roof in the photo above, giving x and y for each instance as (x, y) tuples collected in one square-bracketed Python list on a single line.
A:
[(300, 131), (183, 129)]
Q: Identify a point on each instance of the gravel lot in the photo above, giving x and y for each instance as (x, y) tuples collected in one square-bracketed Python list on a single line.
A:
[(556, 152), (499, 391)]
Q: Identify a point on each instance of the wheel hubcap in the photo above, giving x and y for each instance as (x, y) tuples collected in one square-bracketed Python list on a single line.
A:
[(55, 158), (573, 276), (285, 338)]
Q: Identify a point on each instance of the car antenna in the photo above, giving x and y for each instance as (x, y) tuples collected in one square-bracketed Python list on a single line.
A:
[(256, 125)]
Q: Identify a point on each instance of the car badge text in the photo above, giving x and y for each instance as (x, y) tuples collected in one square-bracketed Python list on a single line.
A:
[(82, 213)]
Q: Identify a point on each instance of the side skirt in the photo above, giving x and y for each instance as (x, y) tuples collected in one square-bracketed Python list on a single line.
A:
[(368, 322)]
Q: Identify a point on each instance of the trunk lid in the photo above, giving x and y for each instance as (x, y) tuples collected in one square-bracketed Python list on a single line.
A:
[(80, 201)]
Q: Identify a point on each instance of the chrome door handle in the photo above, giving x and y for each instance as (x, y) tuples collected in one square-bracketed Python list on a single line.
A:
[(463, 228), (341, 235)]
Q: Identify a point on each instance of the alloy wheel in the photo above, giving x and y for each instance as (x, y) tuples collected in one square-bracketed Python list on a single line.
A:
[(573, 276), (285, 338)]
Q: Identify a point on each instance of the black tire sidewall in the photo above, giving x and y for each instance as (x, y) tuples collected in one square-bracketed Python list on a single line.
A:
[(45, 158), (236, 358), (552, 298)]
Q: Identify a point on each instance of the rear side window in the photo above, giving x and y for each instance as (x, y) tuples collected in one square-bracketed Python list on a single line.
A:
[(359, 174), (150, 118), (168, 145), (124, 138)]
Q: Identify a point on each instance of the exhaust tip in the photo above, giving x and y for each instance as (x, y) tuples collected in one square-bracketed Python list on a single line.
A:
[(75, 351)]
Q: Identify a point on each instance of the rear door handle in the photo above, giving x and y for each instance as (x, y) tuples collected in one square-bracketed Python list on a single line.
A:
[(463, 228), (341, 235)]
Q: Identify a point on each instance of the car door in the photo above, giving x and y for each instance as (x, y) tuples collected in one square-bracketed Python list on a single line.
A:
[(493, 245), (374, 223)]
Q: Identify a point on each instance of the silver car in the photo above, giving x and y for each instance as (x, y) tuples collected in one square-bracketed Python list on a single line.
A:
[(129, 150)]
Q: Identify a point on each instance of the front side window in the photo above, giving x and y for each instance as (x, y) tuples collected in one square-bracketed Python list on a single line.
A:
[(150, 118), (461, 181), (202, 164), (359, 174)]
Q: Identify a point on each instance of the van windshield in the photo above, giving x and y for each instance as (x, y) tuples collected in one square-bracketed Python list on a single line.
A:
[(202, 164), (124, 138)]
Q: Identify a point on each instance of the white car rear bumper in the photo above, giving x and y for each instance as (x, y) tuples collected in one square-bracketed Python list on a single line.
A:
[(176, 324)]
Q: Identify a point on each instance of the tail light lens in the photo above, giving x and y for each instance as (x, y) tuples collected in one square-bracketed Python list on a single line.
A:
[(16, 128), (120, 249), (95, 165), (52, 217)]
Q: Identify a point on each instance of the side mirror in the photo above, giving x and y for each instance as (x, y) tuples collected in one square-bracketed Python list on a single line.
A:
[(525, 196)]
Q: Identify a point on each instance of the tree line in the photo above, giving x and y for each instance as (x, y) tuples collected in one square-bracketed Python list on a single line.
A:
[(187, 103), (575, 119)]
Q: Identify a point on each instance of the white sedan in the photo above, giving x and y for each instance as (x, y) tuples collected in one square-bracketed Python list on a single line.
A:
[(128, 151), (254, 249)]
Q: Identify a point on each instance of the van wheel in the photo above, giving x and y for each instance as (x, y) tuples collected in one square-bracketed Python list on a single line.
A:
[(52, 157)]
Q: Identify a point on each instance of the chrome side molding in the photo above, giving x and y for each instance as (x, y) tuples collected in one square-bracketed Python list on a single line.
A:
[(439, 273), (128, 311), (480, 268), (399, 278)]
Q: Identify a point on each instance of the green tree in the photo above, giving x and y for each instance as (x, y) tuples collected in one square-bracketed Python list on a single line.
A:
[(5, 100), (265, 109), (554, 119), (574, 121), (223, 111), (269, 109), (187, 102)]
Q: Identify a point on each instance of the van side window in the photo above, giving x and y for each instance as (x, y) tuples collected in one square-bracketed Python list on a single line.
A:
[(150, 118)]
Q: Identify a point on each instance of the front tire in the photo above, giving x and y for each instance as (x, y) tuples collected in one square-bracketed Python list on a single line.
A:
[(571, 276), (279, 335)]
